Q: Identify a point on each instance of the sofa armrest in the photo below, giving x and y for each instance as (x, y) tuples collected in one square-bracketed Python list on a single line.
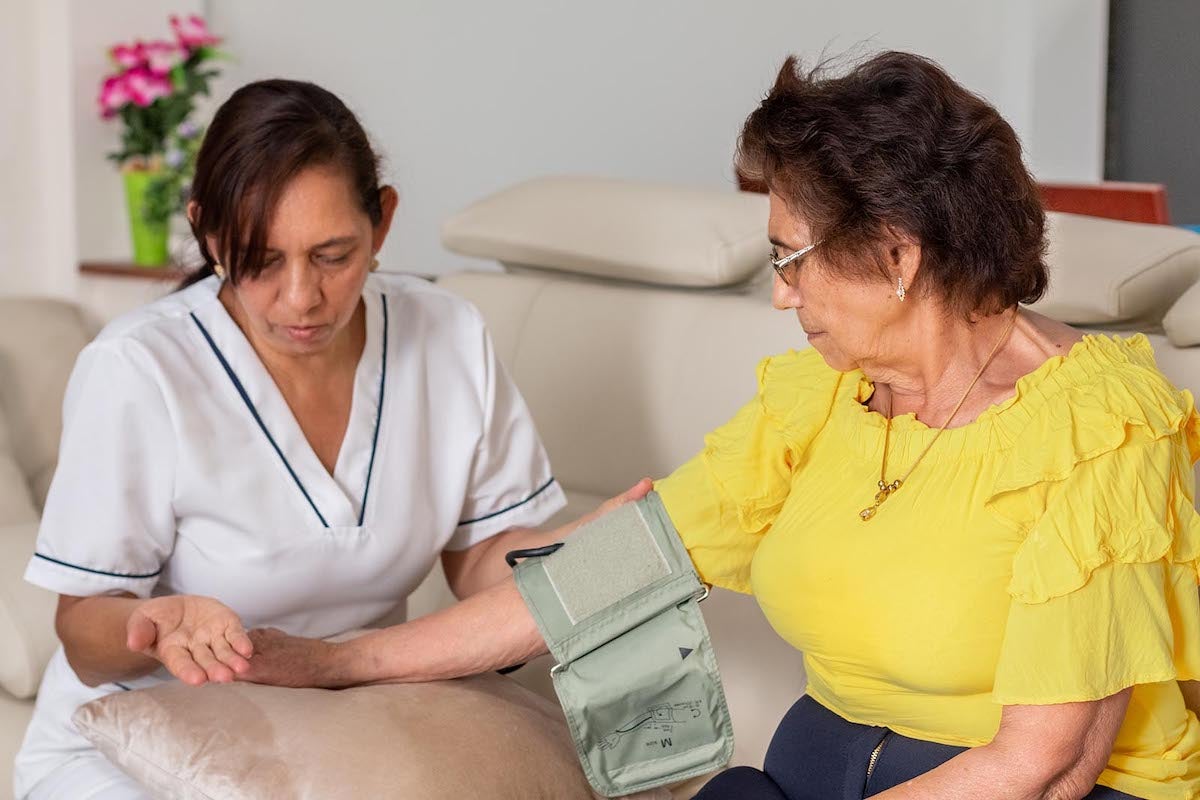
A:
[(26, 616)]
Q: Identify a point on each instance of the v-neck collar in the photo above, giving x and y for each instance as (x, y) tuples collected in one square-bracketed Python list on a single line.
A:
[(338, 499)]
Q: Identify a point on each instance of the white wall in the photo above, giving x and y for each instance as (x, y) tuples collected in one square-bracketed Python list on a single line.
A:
[(1067, 89), (16, 138), (466, 97), (37, 220)]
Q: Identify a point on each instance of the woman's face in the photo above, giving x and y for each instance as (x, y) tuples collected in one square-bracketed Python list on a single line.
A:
[(320, 245), (846, 319)]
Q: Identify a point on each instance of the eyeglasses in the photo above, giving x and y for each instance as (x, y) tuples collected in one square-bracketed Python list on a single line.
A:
[(780, 264)]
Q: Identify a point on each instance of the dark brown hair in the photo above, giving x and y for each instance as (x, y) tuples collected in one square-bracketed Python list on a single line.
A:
[(896, 142), (260, 138)]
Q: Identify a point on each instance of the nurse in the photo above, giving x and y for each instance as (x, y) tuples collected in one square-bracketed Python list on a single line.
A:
[(289, 441)]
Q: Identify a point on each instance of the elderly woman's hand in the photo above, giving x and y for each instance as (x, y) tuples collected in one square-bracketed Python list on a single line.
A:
[(284, 660), (198, 639)]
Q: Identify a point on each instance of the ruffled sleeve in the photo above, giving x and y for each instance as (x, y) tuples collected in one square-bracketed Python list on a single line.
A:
[(725, 499), (1099, 485)]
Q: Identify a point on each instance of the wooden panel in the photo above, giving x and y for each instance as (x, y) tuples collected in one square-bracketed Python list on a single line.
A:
[(121, 269), (1132, 202), (747, 185)]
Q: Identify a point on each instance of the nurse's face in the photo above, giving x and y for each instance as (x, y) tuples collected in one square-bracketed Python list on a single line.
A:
[(320, 246)]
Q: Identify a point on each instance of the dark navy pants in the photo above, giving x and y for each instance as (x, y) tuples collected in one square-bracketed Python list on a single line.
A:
[(817, 755)]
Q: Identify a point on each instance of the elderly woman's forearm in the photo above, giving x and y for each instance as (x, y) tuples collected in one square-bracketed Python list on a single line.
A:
[(489, 630), (471, 571), (989, 773)]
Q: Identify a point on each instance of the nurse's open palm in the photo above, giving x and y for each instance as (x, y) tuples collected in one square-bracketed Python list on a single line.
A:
[(198, 639)]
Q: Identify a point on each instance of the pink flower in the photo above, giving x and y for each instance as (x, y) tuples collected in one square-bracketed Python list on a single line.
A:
[(145, 86), (162, 56), (113, 95), (192, 32), (128, 56)]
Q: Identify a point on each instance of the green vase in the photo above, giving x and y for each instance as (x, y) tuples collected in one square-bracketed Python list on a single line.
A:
[(149, 238)]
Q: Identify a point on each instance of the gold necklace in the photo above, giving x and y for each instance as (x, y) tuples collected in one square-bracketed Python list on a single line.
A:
[(887, 489)]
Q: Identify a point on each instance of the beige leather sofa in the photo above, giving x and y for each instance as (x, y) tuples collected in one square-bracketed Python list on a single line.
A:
[(632, 317), (39, 340)]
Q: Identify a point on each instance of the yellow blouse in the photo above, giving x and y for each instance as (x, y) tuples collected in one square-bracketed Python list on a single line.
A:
[(1045, 553)]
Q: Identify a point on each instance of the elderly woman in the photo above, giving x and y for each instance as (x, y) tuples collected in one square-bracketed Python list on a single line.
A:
[(976, 523), (289, 441)]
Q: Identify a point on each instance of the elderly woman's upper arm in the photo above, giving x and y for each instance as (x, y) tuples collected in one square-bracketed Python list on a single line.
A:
[(1064, 746)]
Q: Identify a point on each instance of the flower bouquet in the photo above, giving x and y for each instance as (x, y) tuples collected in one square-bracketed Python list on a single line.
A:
[(153, 92)]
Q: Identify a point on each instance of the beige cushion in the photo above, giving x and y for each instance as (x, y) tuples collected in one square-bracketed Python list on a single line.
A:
[(476, 737), (26, 615), (1182, 322), (1104, 272), (39, 341), (16, 503), (644, 232)]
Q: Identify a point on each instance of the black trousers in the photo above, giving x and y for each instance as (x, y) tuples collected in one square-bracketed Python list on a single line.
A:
[(817, 755)]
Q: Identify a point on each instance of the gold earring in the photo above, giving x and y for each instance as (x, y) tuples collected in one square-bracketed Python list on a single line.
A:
[(900, 288), (219, 271), (374, 264)]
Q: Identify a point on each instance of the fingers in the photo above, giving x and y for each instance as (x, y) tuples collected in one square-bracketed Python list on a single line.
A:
[(237, 638), (635, 492), (140, 632), (214, 670), (179, 662), (638, 490), (223, 650)]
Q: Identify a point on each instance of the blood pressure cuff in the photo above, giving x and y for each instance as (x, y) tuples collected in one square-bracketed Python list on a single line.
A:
[(618, 605)]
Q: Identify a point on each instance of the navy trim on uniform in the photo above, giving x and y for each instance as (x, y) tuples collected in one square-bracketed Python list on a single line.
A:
[(543, 488), (122, 686), (154, 574), (362, 509), (237, 384)]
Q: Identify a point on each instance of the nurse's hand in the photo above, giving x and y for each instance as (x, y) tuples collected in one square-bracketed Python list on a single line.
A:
[(198, 639)]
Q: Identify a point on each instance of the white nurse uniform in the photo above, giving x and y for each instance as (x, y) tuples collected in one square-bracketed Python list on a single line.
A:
[(183, 471)]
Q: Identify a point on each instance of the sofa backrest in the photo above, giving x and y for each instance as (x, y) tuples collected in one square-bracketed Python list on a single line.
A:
[(624, 379), (39, 340), (624, 382), (1110, 274)]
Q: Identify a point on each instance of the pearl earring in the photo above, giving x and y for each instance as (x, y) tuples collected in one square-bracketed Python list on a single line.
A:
[(900, 288), (219, 271), (374, 264)]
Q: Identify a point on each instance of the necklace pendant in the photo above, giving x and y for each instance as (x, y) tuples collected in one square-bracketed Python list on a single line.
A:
[(885, 491)]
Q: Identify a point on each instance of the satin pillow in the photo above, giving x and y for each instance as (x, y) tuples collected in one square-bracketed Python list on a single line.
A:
[(481, 737)]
